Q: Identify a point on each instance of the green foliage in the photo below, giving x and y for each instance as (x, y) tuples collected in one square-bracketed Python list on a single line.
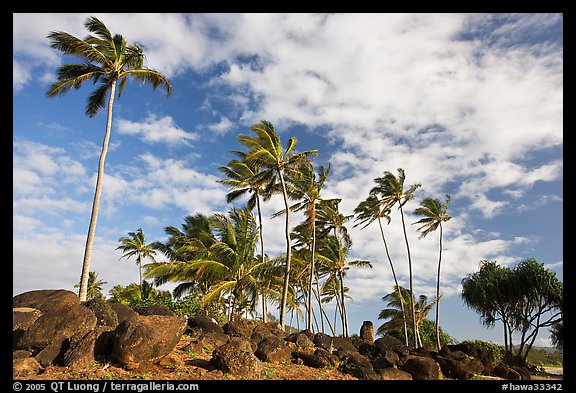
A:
[(495, 351), (526, 299), (543, 357), (427, 334)]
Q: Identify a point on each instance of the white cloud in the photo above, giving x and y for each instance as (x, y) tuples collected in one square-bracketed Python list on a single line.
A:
[(156, 130), (222, 127)]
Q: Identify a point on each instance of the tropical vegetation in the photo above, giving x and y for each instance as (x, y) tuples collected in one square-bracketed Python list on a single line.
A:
[(526, 299)]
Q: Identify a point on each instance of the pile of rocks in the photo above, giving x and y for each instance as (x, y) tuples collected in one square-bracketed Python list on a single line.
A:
[(52, 327)]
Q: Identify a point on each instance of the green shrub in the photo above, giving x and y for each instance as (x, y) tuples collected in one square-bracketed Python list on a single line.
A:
[(495, 351)]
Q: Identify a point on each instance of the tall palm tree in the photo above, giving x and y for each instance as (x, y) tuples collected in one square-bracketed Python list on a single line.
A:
[(306, 188), (434, 213), (391, 190), (335, 251), (108, 59), (240, 177), (267, 152), (94, 287), (366, 213), (135, 244)]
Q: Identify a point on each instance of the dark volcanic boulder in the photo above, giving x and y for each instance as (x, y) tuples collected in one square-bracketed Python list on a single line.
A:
[(156, 309), (123, 311), (323, 340), (302, 339), (273, 350), (239, 328), (393, 374), (320, 358), (422, 368), (204, 324), (146, 339), (506, 372), (84, 351), (22, 319), (57, 325), (105, 314), (46, 299), (236, 357), (358, 366), (459, 367)]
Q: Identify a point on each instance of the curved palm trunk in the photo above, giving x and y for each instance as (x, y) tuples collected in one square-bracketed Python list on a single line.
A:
[(343, 311), (413, 311), (395, 283), (438, 293), (288, 251), (264, 310), (322, 311), (311, 278), (96, 203)]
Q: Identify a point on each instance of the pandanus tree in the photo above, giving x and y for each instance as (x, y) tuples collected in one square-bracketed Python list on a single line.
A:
[(368, 211), (265, 150), (391, 191), (434, 214), (135, 245), (108, 60)]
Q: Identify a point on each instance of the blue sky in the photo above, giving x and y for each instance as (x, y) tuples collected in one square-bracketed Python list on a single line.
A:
[(467, 104)]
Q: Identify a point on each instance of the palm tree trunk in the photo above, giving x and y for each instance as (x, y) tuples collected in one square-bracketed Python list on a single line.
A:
[(264, 311), (438, 294), (322, 312), (414, 327), (96, 203), (395, 283), (139, 262), (310, 280), (288, 251), (344, 316)]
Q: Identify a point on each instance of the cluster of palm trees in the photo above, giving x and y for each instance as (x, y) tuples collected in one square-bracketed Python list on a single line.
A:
[(216, 255), (388, 192)]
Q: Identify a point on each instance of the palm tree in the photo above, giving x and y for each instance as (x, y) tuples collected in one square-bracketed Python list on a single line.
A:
[(108, 59), (266, 152), (94, 287), (366, 213), (434, 215), (334, 251), (240, 177), (191, 243), (307, 188), (227, 265), (329, 219), (391, 189), (135, 244), (396, 316), (134, 294)]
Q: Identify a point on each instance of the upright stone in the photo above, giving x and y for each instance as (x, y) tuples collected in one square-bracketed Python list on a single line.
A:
[(367, 332)]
